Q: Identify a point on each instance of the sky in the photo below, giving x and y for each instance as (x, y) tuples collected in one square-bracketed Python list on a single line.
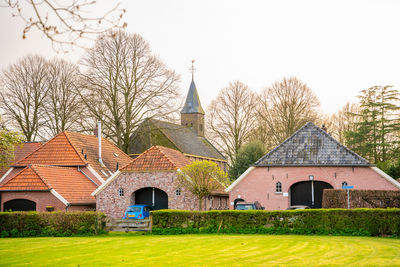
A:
[(336, 47)]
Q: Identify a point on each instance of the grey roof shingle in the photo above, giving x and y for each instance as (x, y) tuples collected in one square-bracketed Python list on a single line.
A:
[(187, 141), (192, 103), (311, 146)]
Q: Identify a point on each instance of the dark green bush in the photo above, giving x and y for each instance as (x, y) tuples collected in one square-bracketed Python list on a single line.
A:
[(360, 222), (23, 224)]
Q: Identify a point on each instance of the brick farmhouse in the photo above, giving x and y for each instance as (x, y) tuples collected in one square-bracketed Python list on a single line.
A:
[(298, 170)]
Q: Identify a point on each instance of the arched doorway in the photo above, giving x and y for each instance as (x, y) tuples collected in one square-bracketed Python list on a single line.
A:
[(308, 193), (151, 196), (20, 205)]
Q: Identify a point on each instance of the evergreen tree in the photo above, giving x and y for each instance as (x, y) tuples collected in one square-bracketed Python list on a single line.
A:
[(246, 156), (375, 135)]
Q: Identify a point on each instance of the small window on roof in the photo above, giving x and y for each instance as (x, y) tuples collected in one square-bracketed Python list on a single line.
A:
[(121, 192)]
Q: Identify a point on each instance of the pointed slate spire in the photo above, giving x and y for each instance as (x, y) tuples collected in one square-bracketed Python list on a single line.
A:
[(192, 104)]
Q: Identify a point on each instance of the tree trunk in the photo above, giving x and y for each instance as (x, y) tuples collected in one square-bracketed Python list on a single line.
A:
[(200, 203)]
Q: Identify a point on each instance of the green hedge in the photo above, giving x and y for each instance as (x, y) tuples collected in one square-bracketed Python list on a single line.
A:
[(23, 224), (365, 222)]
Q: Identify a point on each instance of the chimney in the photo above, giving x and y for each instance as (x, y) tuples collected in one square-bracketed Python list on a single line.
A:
[(324, 128), (95, 130), (99, 137)]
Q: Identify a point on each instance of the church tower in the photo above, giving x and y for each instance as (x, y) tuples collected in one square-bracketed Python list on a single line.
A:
[(192, 114)]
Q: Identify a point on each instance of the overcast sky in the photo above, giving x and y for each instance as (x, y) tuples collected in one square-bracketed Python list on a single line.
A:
[(336, 47)]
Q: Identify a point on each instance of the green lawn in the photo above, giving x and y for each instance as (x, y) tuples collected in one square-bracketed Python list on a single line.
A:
[(200, 250)]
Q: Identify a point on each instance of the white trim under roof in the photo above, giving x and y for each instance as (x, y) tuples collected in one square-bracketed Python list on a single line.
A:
[(6, 174), (103, 185), (241, 177), (57, 195), (95, 174), (386, 176)]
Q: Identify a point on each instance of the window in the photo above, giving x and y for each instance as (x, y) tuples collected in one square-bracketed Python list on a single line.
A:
[(178, 192), (121, 192), (344, 183), (278, 187)]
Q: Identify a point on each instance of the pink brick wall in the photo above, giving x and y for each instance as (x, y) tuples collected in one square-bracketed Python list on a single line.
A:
[(109, 201), (260, 183), (42, 199)]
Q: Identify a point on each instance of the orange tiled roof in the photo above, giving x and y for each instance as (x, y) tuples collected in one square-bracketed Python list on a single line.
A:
[(71, 184), (158, 158), (20, 152), (69, 149), (57, 151), (27, 179), (111, 154)]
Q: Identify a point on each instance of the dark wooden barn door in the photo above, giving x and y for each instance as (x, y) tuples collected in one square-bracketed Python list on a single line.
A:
[(302, 193), (20, 205), (147, 195)]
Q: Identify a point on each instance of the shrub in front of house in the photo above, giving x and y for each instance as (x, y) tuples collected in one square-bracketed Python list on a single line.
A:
[(23, 224), (360, 222)]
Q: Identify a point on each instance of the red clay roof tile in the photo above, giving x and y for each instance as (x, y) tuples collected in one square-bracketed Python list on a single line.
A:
[(158, 158)]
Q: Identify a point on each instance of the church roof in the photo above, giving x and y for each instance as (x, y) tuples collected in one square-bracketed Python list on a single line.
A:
[(192, 103), (311, 146), (187, 141)]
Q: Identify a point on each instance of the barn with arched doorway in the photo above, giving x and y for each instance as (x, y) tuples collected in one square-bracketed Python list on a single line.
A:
[(151, 179), (298, 170)]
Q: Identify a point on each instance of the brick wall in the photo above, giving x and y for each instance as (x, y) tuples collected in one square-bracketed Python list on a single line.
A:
[(260, 184), (109, 201)]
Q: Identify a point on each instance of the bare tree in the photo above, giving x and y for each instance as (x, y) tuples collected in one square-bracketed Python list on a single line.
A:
[(65, 23), (23, 90), (123, 84), (285, 107), (232, 118), (343, 121), (62, 108)]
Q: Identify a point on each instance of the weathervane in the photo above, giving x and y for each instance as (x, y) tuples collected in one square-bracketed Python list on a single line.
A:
[(192, 69)]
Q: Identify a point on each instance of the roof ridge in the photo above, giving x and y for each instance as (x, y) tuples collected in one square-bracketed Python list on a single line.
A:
[(135, 159), (338, 143), (16, 163), (73, 146), (166, 156), (281, 144), (358, 158), (32, 166)]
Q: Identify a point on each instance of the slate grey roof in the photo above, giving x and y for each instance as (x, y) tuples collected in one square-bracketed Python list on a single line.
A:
[(187, 141), (311, 146), (192, 103)]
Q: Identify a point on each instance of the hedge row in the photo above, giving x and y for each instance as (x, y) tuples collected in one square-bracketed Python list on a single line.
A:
[(23, 224), (337, 198), (365, 222)]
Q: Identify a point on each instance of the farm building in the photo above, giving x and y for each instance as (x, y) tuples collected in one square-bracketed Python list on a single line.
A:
[(151, 178), (298, 170), (60, 174)]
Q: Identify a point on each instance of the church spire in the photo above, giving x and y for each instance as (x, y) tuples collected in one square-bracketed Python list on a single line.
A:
[(192, 103), (192, 114)]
